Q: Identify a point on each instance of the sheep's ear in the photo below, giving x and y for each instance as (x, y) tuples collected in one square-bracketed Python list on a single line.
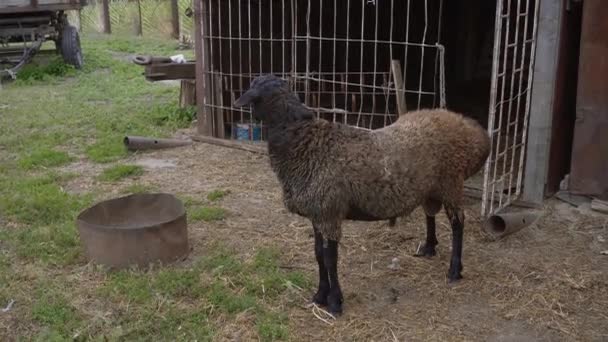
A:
[(248, 97)]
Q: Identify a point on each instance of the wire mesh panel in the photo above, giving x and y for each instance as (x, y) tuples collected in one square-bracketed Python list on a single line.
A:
[(357, 57), (352, 61), (513, 56)]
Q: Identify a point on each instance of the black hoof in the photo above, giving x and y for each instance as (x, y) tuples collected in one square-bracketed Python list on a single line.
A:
[(454, 274), (320, 298), (334, 305), (426, 251), (392, 222)]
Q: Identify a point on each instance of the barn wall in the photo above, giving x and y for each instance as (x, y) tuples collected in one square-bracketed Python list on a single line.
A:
[(589, 168)]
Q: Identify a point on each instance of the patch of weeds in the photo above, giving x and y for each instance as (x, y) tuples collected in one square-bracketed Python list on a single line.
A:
[(118, 172), (175, 282), (138, 189), (55, 68), (106, 150), (39, 201), (182, 325), (53, 310), (207, 214), (221, 261), (228, 301), (44, 157), (133, 286), (163, 323), (217, 195), (172, 115), (272, 327), (189, 202), (267, 279), (56, 244)]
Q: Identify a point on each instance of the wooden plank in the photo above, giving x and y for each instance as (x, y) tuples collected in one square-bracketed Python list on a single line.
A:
[(175, 18), (105, 16), (399, 86), (203, 90), (260, 149), (589, 165), (219, 113), (599, 206), (541, 102)]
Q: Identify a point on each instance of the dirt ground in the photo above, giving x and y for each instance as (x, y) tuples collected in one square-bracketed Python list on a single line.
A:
[(548, 282)]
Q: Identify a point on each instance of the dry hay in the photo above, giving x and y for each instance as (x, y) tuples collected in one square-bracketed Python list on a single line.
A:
[(547, 282)]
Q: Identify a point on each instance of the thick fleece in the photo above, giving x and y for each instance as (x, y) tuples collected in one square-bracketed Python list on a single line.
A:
[(330, 172)]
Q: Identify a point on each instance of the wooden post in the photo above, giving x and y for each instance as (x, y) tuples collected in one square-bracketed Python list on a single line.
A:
[(399, 86), (139, 30), (187, 93), (175, 18), (105, 16), (219, 102), (79, 16), (203, 77)]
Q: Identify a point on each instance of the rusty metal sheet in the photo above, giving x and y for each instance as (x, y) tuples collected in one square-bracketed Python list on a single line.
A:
[(589, 167)]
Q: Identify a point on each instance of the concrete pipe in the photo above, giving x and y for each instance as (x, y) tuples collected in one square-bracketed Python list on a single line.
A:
[(502, 224)]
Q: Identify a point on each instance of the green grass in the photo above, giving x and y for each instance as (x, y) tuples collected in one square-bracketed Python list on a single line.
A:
[(217, 195), (207, 214), (219, 282), (138, 188), (53, 115), (53, 310), (38, 200), (106, 150), (272, 327), (118, 172), (44, 157)]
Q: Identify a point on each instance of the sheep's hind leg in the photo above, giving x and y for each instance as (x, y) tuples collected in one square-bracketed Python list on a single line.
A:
[(330, 255), (320, 297), (456, 216), (428, 249)]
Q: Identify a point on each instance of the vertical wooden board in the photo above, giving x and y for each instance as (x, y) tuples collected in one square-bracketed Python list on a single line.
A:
[(204, 115), (219, 101), (564, 107), (589, 167)]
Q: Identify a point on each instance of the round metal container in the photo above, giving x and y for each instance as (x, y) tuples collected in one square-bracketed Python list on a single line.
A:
[(134, 230)]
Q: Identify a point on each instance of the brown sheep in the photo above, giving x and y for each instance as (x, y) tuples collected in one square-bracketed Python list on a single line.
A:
[(332, 172)]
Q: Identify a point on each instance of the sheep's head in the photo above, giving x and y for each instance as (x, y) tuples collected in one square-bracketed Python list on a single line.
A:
[(272, 102)]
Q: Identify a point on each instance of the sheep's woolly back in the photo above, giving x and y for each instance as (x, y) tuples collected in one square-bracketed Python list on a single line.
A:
[(330, 172), (444, 134)]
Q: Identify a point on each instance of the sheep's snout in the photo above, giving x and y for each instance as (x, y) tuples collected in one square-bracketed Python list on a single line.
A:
[(247, 98)]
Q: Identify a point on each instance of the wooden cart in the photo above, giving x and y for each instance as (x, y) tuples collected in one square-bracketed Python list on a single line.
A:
[(26, 24)]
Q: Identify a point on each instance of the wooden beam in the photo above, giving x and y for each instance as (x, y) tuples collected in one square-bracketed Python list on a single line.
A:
[(399, 86), (105, 16), (541, 101), (203, 78), (260, 149), (175, 18)]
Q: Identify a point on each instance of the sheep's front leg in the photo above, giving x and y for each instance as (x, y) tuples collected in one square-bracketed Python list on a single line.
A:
[(456, 216), (320, 297), (330, 255), (428, 249)]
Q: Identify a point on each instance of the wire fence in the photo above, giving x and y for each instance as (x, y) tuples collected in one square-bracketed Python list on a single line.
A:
[(156, 18)]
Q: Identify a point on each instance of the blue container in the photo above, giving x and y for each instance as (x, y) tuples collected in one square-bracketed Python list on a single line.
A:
[(242, 131), (256, 132)]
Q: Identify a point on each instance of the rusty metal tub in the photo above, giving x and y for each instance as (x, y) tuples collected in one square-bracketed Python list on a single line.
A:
[(137, 230)]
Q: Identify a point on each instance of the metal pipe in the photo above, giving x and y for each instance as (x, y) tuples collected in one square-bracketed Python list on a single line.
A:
[(500, 225), (135, 143)]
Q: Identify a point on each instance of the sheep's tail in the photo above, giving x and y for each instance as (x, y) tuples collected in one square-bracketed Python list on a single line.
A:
[(480, 147)]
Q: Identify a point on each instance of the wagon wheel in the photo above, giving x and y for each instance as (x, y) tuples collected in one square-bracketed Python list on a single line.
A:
[(70, 46)]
